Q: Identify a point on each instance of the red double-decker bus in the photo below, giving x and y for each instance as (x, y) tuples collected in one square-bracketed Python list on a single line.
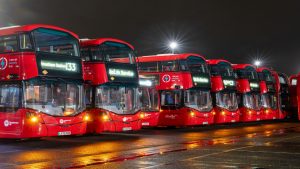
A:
[(41, 90), (282, 92), (176, 90), (285, 94), (113, 99), (293, 100), (224, 91), (248, 92), (269, 97), (297, 99)]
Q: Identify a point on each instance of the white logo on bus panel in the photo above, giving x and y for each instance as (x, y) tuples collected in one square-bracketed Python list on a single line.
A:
[(166, 78), (9, 123), (3, 63), (62, 121)]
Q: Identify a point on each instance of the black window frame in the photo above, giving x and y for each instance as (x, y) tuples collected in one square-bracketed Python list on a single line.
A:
[(265, 72), (286, 81), (178, 62), (98, 47), (246, 73), (142, 69), (21, 98), (19, 49), (84, 57), (59, 54), (202, 61), (18, 43), (215, 70)]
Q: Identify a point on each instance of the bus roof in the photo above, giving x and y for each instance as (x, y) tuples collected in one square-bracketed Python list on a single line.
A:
[(27, 28), (293, 75), (95, 42), (216, 61), (242, 66), (260, 69), (167, 57)]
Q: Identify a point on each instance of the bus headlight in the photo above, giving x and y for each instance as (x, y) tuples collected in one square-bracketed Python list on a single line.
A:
[(86, 117), (223, 113), (34, 119), (105, 117), (142, 115), (192, 113), (267, 111), (249, 112)]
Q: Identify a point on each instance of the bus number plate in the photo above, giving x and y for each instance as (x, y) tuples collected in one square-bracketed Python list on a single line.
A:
[(127, 128), (145, 124), (205, 122), (64, 133), (232, 121)]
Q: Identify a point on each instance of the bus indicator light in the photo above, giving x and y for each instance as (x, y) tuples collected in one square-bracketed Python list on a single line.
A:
[(45, 72)]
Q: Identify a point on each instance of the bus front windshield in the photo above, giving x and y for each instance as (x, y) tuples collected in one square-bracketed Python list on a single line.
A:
[(252, 101), (55, 98), (283, 80), (171, 98), (248, 73), (223, 69), (197, 65), (118, 99), (149, 99), (269, 100), (266, 75), (252, 74), (227, 100), (112, 52), (56, 42), (198, 99)]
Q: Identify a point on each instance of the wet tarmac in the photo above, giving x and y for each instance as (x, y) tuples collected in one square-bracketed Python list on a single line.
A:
[(253, 145)]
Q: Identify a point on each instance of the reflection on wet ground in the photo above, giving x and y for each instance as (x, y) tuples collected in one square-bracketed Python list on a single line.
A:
[(255, 145)]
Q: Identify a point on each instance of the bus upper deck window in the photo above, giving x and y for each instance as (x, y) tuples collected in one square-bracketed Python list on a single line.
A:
[(8, 44), (25, 42)]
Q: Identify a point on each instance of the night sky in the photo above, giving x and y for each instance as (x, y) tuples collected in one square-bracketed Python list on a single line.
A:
[(236, 30)]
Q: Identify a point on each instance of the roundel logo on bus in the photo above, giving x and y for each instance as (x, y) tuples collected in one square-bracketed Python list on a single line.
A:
[(9, 123), (3, 63), (166, 78), (6, 123), (62, 121)]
